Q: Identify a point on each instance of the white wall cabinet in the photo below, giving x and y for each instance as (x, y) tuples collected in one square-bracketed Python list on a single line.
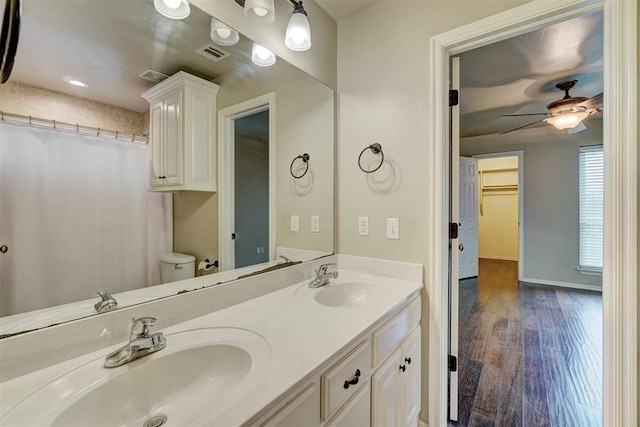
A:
[(182, 134), (376, 382)]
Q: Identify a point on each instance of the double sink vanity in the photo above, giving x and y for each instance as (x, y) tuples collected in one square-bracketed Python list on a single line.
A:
[(344, 353)]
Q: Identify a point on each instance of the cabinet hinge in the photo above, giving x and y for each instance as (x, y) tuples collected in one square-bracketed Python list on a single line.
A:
[(453, 230), (453, 363), (453, 98)]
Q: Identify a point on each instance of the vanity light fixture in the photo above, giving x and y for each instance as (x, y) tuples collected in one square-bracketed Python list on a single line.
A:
[(174, 9), (222, 34), (260, 10), (565, 121), (262, 56), (298, 34)]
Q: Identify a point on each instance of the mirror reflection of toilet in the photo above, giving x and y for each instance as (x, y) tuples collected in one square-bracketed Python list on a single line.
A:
[(175, 266)]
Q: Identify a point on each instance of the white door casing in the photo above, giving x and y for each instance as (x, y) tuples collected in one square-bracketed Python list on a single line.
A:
[(226, 208), (468, 217), (620, 134), (454, 252)]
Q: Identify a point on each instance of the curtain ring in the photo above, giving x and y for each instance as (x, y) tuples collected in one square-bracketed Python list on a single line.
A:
[(98, 132), (54, 124), (29, 120), (116, 134), (375, 149), (77, 128), (305, 158)]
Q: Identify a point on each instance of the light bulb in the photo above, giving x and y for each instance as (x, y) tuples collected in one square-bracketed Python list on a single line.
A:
[(262, 56), (172, 4), (223, 32), (260, 11)]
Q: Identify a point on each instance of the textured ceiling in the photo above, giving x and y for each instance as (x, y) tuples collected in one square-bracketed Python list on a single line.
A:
[(107, 43), (340, 9), (518, 75)]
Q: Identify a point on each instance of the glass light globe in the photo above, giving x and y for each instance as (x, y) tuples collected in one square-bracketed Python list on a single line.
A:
[(262, 56), (298, 34)]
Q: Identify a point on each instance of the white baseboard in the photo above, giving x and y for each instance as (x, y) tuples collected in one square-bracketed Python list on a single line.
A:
[(502, 258), (562, 284)]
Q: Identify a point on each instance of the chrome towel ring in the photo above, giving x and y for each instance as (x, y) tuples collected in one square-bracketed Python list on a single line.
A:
[(305, 158), (375, 149)]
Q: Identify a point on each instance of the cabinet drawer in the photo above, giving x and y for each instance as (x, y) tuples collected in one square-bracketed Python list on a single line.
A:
[(341, 381), (392, 332)]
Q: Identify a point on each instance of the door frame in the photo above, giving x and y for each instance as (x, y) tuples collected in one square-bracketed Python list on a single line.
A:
[(520, 155), (619, 294), (226, 181)]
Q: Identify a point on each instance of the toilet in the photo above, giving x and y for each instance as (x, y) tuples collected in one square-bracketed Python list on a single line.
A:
[(175, 266)]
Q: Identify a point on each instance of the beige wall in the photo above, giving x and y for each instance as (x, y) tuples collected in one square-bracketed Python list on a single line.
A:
[(319, 61), (498, 209), (27, 100), (304, 124), (638, 212), (383, 96), (550, 197)]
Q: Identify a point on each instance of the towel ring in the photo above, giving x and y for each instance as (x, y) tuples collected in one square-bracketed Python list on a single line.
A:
[(305, 158), (375, 149)]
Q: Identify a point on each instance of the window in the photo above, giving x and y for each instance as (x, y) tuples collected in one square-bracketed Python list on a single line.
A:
[(591, 169)]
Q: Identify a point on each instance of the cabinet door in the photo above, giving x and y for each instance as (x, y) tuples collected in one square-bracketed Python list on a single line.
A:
[(409, 381), (155, 143), (172, 139), (356, 412), (384, 384)]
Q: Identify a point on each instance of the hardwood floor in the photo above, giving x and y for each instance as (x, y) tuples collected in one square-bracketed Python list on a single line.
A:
[(529, 355)]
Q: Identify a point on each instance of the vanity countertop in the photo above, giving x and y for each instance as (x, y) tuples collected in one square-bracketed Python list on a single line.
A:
[(301, 334)]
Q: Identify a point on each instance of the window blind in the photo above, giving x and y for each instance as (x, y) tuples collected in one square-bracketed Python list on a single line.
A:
[(591, 169)]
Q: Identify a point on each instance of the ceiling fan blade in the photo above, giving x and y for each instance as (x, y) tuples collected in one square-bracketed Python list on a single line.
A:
[(529, 114), (521, 127), (593, 102)]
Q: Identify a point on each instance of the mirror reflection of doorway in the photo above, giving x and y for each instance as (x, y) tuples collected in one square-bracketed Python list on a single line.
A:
[(251, 195)]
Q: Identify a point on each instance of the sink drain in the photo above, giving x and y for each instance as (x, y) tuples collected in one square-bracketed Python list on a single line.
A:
[(156, 421)]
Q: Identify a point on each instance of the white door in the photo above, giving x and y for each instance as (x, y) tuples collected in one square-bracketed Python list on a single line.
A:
[(409, 383), (468, 217), (453, 242), (384, 384)]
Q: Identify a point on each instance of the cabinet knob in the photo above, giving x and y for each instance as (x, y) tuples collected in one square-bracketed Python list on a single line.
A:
[(403, 368), (408, 360), (354, 380)]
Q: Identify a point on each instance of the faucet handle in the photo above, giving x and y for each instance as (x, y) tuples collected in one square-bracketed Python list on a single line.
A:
[(145, 323), (106, 296), (324, 267)]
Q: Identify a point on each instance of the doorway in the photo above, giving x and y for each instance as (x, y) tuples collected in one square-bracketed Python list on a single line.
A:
[(246, 201), (620, 258)]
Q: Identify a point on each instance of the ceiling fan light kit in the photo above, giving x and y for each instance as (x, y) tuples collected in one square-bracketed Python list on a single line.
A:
[(567, 113)]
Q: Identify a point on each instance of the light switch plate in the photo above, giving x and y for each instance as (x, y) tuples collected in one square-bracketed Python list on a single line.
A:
[(393, 228), (315, 223), (363, 225), (295, 223)]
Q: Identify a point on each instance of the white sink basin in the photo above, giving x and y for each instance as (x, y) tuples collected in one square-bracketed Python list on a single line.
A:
[(198, 372), (348, 294)]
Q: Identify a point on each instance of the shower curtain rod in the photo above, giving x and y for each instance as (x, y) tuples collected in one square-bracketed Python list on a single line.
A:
[(19, 119)]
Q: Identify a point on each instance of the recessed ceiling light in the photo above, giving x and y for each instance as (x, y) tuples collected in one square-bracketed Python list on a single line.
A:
[(75, 82)]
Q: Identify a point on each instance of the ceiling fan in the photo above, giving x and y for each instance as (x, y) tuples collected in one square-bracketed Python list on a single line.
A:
[(566, 113)]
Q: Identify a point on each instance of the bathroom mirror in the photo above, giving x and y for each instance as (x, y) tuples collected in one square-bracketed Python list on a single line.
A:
[(110, 44)]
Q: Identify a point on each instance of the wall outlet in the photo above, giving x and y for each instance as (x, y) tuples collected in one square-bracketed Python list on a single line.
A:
[(393, 228), (315, 223), (295, 223), (363, 225)]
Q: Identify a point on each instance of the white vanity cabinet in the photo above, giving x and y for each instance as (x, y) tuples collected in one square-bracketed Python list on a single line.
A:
[(182, 134), (375, 382)]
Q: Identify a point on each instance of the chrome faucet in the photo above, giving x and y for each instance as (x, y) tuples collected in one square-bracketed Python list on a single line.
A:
[(323, 276), (141, 343), (286, 259), (107, 302)]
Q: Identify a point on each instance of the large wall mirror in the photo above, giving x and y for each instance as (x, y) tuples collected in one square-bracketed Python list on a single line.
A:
[(75, 212)]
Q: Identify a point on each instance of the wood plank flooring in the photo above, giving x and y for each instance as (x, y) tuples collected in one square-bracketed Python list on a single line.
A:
[(529, 355)]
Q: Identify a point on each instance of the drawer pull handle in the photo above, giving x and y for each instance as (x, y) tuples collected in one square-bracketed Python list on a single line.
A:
[(403, 368), (353, 381), (408, 360)]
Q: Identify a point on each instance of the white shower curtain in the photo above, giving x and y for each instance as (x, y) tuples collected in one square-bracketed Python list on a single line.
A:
[(76, 216)]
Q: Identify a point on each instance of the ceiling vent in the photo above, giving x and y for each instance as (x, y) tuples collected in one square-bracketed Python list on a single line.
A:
[(152, 76), (212, 52)]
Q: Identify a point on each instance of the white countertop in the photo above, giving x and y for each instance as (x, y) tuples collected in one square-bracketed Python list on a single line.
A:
[(302, 334)]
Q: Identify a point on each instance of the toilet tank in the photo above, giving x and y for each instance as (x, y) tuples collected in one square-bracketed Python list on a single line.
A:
[(175, 266)]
